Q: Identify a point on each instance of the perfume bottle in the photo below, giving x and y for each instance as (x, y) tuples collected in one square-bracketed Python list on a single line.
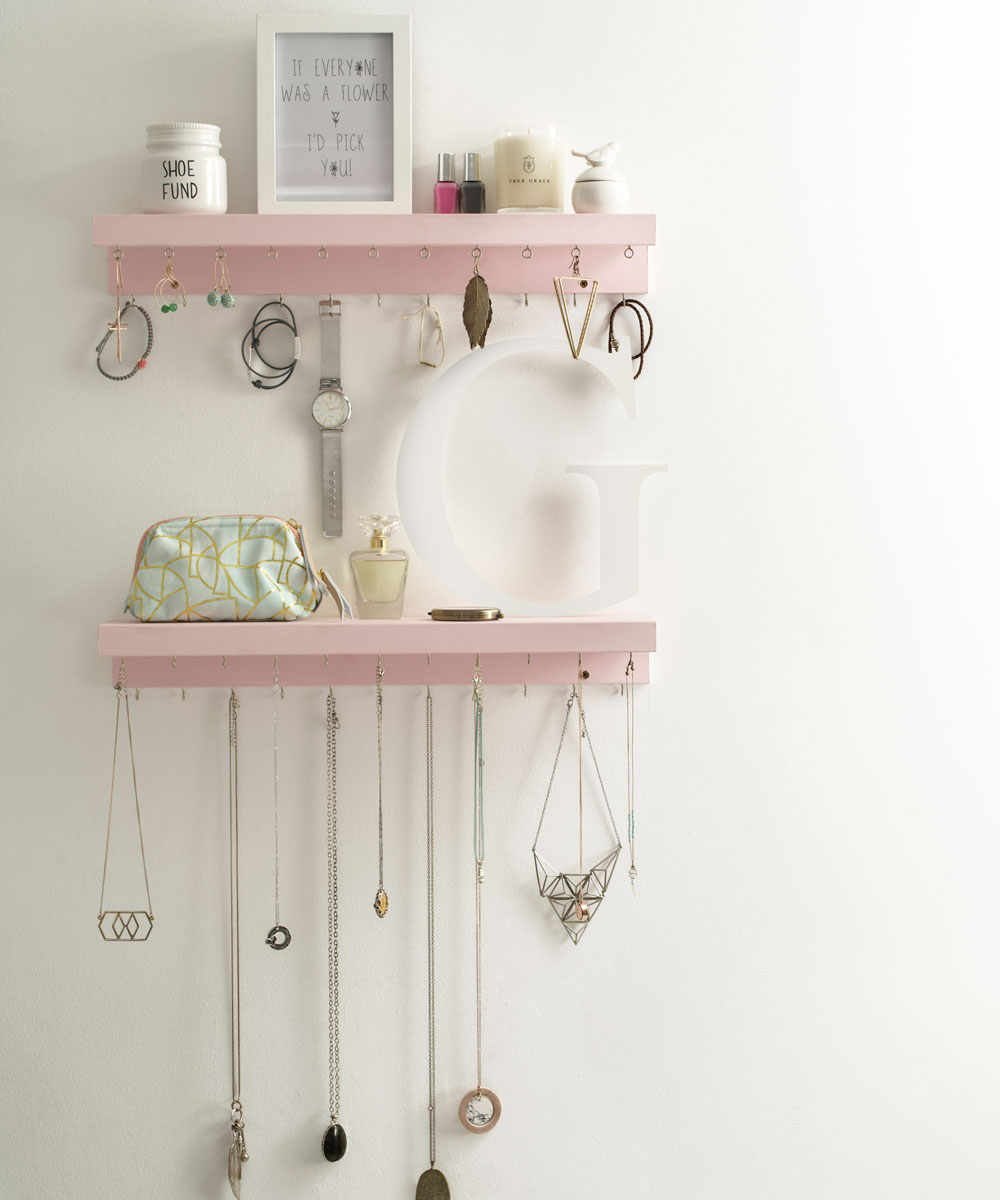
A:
[(446, 189), (379, 573), (473, 190)]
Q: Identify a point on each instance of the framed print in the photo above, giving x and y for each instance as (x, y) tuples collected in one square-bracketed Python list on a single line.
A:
[(333, 114)]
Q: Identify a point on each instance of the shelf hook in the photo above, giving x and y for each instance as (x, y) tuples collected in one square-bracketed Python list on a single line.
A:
[(373, 252), (629, 252), (271, 252), (168, 254), (322, 252), (424, 252)]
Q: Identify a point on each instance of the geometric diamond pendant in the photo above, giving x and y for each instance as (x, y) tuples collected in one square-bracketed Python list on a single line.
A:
[(125, 926), (575, 898)]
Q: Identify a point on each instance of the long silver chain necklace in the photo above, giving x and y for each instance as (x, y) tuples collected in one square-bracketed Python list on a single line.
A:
[(238, 1150), (278, 937), (630, 764), (381, 897), (124, 925), (334, 1139), (479, 1110), (432, 1184), (575, 897)]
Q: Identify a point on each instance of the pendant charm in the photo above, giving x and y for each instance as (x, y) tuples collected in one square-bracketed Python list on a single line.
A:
[(237, 1157), (334, 1143), (575, 898), (479, 1110), (381, 904), (278, 937), (432, 1185), (125, 926)]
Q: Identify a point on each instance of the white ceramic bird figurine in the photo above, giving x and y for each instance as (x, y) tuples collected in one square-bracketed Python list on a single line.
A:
[(603, 156)]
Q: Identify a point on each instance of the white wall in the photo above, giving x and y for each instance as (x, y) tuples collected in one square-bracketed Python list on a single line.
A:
[(802, 1000)]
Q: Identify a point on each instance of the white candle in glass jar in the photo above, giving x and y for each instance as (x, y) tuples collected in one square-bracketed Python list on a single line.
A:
[(530, 164)]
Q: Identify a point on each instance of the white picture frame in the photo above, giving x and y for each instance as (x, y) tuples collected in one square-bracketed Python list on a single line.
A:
[(334, 122)]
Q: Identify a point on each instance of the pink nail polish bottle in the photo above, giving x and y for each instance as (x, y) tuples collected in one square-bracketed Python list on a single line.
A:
[(446, 189)]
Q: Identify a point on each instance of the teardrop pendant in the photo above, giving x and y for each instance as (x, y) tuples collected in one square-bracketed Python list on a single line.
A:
[(432, 1185), (334, 1143)]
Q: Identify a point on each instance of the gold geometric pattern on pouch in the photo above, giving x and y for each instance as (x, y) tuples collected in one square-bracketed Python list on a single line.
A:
[(235, 569)]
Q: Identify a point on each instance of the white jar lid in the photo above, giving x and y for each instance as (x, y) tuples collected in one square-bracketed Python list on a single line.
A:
[(178, 133)]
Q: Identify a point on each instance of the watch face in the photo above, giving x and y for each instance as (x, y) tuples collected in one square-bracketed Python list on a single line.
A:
[(331, 409)]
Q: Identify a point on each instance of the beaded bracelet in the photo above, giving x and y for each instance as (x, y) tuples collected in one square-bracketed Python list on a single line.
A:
[(117, 326), (638, 308), (251, 341)]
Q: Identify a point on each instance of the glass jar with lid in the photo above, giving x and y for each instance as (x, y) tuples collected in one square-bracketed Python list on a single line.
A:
[(183, 170)]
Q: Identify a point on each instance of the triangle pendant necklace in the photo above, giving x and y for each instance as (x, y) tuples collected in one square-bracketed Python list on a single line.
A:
[(575, 896), (589, 286)]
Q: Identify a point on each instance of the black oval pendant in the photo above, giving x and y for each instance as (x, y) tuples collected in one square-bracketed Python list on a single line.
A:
[(334, 1143)]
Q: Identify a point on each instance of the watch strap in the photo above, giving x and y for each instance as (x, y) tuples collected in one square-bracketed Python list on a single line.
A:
[(329, 344), (333, 511)]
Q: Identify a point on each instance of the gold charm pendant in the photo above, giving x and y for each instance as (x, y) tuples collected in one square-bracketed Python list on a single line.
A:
[(477, 310), (381, 904), (432, 1185), (590, 285)]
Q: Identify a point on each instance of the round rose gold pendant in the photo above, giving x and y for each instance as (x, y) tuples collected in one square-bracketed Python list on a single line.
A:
[(479, 1110)]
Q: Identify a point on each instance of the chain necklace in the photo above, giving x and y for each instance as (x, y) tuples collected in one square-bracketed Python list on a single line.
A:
[(432, 1184), (381, 897), (124, 925), (630, 764), (479, 1110), (576, 897), (238, 1150), (278, 937), (335, 1139)]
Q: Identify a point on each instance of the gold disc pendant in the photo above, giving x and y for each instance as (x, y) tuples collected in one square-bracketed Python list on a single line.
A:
[(432, 1185), (381, 905)]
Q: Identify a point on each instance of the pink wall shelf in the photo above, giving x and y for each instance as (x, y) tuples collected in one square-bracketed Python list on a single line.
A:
[(322, 651), (419, 253)]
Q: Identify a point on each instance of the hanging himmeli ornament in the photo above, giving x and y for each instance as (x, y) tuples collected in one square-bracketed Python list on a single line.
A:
[(278, 937), (477, 312), (128, 925), (629, 690), (381, 896), (479, 1110), (575, 897), (432, 1184), (334, 1139), (238, 1150)]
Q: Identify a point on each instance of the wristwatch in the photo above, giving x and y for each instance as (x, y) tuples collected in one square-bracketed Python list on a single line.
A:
[(331, 410)]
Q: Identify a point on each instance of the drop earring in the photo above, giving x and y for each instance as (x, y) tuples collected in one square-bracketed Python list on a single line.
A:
[(221, 293), (169, 289)]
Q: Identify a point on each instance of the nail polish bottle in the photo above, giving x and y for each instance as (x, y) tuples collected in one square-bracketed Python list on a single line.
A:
[(473, 190), (446, 189)]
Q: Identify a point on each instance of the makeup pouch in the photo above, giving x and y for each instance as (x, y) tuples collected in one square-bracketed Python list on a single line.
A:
[(228, 568)]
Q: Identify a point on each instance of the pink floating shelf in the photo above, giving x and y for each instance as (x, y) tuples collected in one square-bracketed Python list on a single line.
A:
[(414, 650), (389, 254)]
